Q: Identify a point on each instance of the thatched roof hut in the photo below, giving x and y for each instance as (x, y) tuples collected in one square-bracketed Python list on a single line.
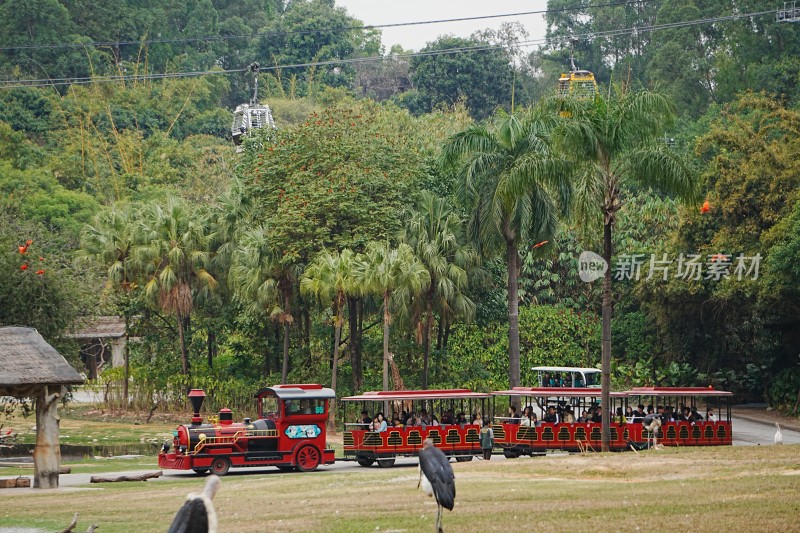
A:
[(31, 368), (27, 362)]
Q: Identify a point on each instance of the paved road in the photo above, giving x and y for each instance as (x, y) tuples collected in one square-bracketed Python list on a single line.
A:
[(747, 432)]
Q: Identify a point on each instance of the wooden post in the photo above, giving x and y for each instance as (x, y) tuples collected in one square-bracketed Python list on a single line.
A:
[(47, 454)]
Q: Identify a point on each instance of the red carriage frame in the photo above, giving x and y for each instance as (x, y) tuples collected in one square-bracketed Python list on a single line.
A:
[(455, 440), (516, 439)]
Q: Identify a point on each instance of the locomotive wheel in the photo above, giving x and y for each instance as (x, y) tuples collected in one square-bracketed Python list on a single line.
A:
[(220, 466), (200, 471), (365, 462), (386, 463), (307, 458)]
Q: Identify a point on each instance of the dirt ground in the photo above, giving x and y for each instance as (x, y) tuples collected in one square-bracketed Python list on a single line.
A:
[(770, 416)]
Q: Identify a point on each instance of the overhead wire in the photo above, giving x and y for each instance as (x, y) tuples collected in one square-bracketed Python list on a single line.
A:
[(212, 38), (11, 84)]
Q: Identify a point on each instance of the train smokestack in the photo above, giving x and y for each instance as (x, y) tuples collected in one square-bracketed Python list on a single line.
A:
[(196, 397)]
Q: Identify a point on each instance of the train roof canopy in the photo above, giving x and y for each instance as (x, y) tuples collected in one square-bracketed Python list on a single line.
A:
[(298, 391), (561, 392), (432, 394), (565, 369), (677, 391)]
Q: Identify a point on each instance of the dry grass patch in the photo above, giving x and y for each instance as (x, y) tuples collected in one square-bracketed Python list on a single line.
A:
[(687, 489)]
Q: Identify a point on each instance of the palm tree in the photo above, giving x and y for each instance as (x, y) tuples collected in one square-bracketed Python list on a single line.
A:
[(436, 234), (264, 283), (111, 239), (329, 278), (174, 255), (391, 272), (514, 187), (616, 144)]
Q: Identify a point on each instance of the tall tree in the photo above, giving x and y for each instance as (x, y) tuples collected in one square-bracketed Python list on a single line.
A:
[(391, 273), (111, 239), (616, 144), (514, 187), (174, 256), (436, 234), (263, 283), (480, 74), (329, 278)]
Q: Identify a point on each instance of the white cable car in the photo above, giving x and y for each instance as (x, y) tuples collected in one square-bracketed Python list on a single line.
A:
[(252, 116)]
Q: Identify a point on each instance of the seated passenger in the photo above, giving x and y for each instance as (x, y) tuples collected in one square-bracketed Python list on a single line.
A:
[(397, 423), (447, 417), (598, 415), (569, 417), (434, 421), (528, 417), (629, 414), (513, 416), (380, 423), (551, 416), (619, 418), (710, 416), (365, 420), (424, 419), (584, 417)]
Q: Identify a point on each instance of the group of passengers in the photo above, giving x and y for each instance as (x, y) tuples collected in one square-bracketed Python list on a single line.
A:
[(561, 379), (422, 419), (553, 415), (683, 413)]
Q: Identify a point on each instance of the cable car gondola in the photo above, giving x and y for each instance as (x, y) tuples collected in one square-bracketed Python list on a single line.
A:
[(252, 116), (576, 83)]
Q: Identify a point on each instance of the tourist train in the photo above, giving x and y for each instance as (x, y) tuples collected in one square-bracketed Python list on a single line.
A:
[(290, 432)]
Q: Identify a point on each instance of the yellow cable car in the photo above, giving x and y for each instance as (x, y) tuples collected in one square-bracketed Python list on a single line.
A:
[(576, 83)]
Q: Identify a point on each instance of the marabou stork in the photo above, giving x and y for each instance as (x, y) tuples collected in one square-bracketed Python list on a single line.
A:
[(197, 515), (437, 479)]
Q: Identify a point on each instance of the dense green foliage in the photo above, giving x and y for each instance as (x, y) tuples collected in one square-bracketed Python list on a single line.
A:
[(218, 259)]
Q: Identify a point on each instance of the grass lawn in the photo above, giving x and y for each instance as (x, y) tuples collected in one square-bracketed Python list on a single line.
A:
[(678, 489)]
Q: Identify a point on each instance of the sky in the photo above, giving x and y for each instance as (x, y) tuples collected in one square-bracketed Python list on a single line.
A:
[(373, 12)]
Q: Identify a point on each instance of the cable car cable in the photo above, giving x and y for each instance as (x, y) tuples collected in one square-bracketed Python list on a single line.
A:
[(34, 83)]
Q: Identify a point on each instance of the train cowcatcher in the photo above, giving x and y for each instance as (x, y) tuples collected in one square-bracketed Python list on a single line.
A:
[(289, 434)]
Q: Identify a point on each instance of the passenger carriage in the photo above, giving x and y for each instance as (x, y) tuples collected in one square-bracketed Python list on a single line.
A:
[(461, 441), (682, 433), (289, 433), (517, 439)]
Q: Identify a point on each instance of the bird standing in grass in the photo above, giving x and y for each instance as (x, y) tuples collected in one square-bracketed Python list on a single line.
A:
[(437, 479), (778, 439), (198, 515)]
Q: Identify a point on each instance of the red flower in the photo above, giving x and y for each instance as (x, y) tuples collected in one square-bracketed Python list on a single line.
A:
[(706, 208), (23, 250), (40, 272), (28, 243), (24, 267), (41, 258), (539, 244)]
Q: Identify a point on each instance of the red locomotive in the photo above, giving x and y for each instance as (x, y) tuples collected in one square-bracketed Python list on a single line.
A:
[(289, 434)]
